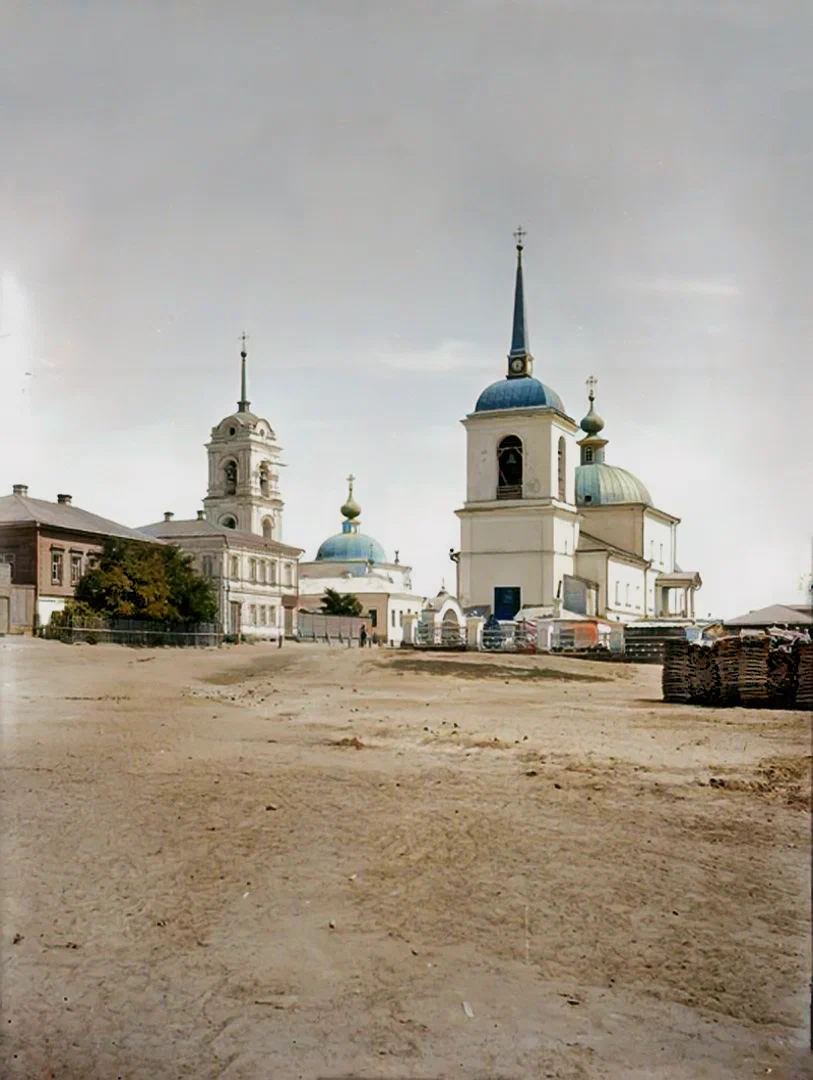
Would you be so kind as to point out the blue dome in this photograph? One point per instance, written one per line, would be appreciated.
(603, 485)
(523, 393)
(350, 546)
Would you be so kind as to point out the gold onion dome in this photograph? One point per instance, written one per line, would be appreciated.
(351, 508)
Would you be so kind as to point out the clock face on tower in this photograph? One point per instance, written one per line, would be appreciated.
(517, 366)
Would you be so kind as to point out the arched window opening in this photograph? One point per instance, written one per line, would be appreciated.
(230, 477)
(588, 455)
(268, 528)
(229, 522)
(509, 468)
(562, 474)
(265, 482)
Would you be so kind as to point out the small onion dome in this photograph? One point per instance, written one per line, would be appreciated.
(351, 509)
(592, 424)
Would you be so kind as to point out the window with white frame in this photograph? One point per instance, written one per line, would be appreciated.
(235, 568)
(76, 566)
(263, 613)
(262, 571)
(288, 574)
(627, 596)
(617, 593)
(57, 566)
(661, 554)
(273, 572)
(253, 614)
(252, 569)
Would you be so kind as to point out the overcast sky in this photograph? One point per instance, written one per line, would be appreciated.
(343, 184)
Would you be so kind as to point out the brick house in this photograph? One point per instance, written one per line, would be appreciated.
(48, 546)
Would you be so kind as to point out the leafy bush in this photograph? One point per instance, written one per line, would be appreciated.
(148, 581)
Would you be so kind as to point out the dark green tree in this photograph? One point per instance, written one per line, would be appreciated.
(147, 581)
(336, 603)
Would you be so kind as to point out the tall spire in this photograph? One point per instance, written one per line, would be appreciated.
(520, 361)
(243, 404)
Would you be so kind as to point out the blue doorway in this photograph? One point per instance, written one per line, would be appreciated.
(507, 601)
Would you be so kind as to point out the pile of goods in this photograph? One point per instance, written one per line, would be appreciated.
(771, 669)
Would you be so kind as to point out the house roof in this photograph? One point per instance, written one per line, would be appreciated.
(181, 529)
(774, 615)
(20, 510)
(593, 543)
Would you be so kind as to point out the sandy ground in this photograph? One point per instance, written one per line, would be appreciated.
(314, 862)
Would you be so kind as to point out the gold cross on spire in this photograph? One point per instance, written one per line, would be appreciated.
(519, 235)
(591, 383)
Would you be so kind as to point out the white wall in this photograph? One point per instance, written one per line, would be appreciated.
(625, 590)
(659, 543)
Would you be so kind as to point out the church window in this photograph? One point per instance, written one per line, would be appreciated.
(268, 528)
(263, 615)
(562, 473)
(627, 596)
(617, 594)
(253, 614)
(661, 554)
(229, 522)
(230, 477)
(265, 485)
(57, 561)
(273, 573)
(393, 616)
(262, 570)
(252, 569)
(235, 567)
(509, 468)
(232, 431)
(206, 563)
(588, 455)
(288, 574)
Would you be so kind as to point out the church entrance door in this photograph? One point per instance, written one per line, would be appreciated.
(507, 601)
(234, 617)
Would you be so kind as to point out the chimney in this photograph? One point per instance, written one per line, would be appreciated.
(20, 489)
(65, 500)
(168, 515)
(201, 516)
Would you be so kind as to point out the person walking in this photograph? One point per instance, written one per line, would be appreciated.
(362, 636)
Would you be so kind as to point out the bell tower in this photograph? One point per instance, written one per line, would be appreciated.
(244, 464)
(519, 525)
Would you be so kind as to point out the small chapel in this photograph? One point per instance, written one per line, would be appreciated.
(352, 563)
(549, 526)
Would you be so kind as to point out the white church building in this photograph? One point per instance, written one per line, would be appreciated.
(548, 526)
(236, 540)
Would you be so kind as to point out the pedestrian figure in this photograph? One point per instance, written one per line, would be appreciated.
(363, 636)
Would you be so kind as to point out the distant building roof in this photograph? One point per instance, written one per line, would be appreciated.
(774, 615)
(20, 509)
(177, 530)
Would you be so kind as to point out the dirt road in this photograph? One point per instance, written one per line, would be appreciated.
(312, 862)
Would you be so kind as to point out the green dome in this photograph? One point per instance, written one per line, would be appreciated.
(600, 484)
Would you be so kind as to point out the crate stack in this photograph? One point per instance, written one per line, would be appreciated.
(675, 675)
(704, 678)
(782, 670)
(804, 676)
(752, 682)
(757, 670)
(727, 652)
